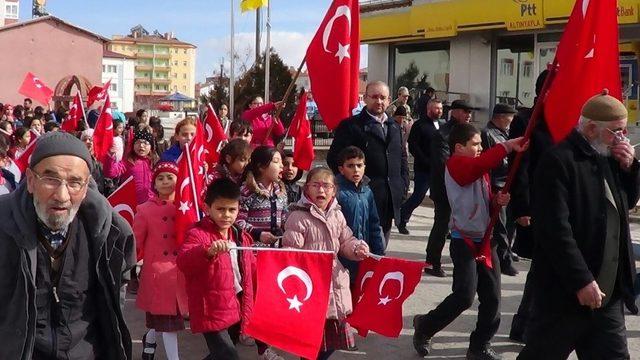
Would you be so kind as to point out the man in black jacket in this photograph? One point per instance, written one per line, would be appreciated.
(380, 138)
(497, 131)
(420, 147)
(584, 264)
(63, 254)
(461, 112)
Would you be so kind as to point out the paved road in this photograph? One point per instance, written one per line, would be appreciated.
(451, 343)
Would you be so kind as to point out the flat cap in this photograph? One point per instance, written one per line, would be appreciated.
(59, 143)
(504, 109)
(604, 107)
(462, 104)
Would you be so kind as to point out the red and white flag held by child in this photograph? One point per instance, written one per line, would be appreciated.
(22, 162)
(215, 136)
(189, 186)
(300, 130)
(588, 61)
(292, 300)
(75, 115)
(333, 61)
(103, 134)
(34, 88)
(98, 94)
(384, 292)
(123, 200)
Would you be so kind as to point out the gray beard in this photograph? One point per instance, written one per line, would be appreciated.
(55, 223)
(602, 148)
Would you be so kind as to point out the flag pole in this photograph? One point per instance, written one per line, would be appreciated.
(267, 56)
(533, 122)
(285, 98)
(84, 115)
(187, 152)
(249, 248)
(232, 76)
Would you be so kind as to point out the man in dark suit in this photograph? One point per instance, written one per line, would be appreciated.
(583, 258)
(461, 112)
(420, 147)
(380, 138)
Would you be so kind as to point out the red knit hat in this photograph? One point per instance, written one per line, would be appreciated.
(165, 166)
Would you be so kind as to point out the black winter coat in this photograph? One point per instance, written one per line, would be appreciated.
(386, 158)
(420, 143)
(439, 155)
(570, 223)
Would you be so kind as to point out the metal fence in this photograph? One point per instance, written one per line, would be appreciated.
(321, 135)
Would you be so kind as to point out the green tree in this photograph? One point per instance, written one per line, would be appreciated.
(407, 78)
(251, 84)
(217, 96)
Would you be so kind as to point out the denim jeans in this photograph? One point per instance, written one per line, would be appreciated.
(420, 188)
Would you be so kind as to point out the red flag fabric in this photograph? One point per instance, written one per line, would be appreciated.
(292, 300)
(70, 124)
(98, 94)
(366, 269)
(103, 134)
(333, 62)
(123, 200)
(22, 162)
(186, 200)
(34, 88)
(588, 60)
(300, 130)
(392, 282)
(215, 136)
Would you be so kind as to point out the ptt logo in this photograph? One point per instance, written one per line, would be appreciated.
(526, 8)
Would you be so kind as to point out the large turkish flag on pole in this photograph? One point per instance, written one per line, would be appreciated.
(292, 300)
(188, 190)
(333, 62)
(300, 130)
(37, 90)
(390, 284)
(215, 136)
(588, 61)
(103, 134)
(70, 124)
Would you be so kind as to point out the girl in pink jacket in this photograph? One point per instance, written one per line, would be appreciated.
(316, 223)
(137, 163)
(162, 294)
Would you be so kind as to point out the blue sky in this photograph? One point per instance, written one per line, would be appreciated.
(204, 23)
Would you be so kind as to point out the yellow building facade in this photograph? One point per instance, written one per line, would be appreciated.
(163, 65)
(487, 51)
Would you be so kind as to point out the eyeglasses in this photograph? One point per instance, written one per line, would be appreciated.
(54, 183)
(620, 135)
(143, 142)
(324, 185)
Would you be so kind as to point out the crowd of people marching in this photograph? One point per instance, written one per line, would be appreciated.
(256, 196)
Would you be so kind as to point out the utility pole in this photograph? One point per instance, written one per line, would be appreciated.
(258, 36)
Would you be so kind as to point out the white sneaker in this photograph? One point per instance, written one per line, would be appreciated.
(270, 355)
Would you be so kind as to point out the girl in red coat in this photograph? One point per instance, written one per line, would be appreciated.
(162, 292)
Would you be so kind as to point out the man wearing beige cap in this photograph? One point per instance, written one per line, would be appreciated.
(583, 258)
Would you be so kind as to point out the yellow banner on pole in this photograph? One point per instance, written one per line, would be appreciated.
(248, 5)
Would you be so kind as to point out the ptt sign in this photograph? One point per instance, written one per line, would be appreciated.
(524, 15)
(527, 9)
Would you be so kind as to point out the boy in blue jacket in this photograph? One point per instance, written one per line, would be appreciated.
(358, 205)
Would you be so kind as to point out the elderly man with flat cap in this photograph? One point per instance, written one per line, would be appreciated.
(584, 263)
(63, 253)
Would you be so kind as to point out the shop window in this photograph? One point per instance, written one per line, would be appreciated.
(506, 67)
(419, 66)
(527, 69)
(515, 77)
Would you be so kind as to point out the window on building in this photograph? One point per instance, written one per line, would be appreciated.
(114, 87)
(175, 63)
(104, 69)
(185, 51)
(515, 78)
(184, 63)
(175, 76)
(175, 87)
(506, 67)
(418, 64)
(114, 105)
(527, 69)
(11, 11)
(184, 76)
(184, 87)
(112, 69)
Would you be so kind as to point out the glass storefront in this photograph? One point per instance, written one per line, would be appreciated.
(515, 70)
(418, 66)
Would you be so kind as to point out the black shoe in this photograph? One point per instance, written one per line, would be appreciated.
(508, 270)
(421, 342)
(150, 349)
(352, 348)
(402, 229)
(483, 354)
(435, 271)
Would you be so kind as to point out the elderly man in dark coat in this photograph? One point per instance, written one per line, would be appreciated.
(63, 253)
(380, 138)
(583, 258)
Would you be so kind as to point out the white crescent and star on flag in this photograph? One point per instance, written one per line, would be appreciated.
(185, 206)
(294, 302)
(343, 50)
(397, 276)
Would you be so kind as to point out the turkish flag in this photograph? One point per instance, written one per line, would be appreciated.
(292, 300)
(384, 291)
(123, 200)
(70, 124)
(333, 62)
(187, 198)
(34, 88)
(300, 130)
(98, 94)
(215, 136)
(22, 162)
(103, 134)
(589, 61)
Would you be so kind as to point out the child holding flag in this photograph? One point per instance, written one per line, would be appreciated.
(162, 291)
(468, 190)
(317, 223)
